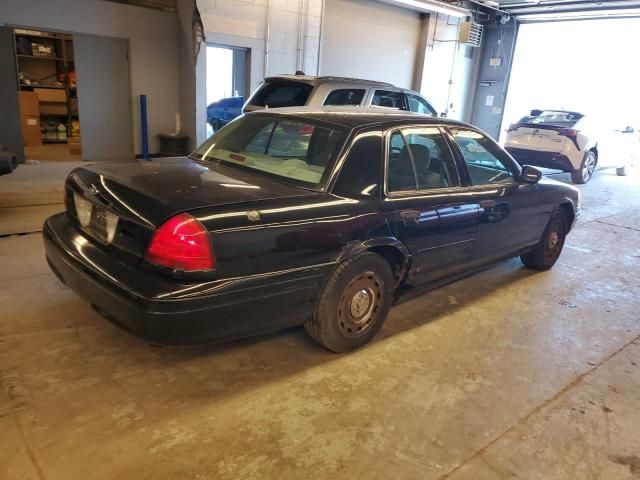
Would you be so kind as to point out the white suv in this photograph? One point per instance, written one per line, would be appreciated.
(567, 141)
(299, 90)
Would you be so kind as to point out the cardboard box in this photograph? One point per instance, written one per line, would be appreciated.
(31, 135)
(29, 104)
(51, 95)
(74, 146)
(53, 108)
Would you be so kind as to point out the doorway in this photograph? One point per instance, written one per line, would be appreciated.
(47, 95)
(227, 84)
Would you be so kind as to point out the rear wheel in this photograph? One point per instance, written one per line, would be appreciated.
(545, 254)
(354, 303)
(585, 172)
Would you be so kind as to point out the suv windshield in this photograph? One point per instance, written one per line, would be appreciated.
(281, 94)
(299, 150)
(552, 118)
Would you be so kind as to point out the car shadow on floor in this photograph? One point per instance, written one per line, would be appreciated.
(249, 363)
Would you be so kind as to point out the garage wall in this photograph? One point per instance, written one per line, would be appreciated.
(293, 32)
(153, 48)
(450, 70)
(370, 40)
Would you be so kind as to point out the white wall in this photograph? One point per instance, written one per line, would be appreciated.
(366, 39)
(294, 32)
(449, 75)
(153, 47)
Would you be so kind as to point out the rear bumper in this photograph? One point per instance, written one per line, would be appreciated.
(161, 310)
(556, 161)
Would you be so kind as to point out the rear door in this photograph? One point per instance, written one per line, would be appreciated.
(427, 209)
(511, 214)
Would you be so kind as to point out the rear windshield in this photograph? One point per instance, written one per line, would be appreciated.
(281, 94)
(553, 118)
(298, 150)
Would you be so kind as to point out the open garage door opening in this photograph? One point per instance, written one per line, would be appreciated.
(570, 77)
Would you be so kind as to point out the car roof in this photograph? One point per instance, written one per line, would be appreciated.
(327, 79)
(357, 117)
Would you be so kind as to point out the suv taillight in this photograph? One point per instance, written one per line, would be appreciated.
(181, 243)
(568, 132)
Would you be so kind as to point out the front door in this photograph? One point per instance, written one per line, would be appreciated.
(426, 207)
(511, 216)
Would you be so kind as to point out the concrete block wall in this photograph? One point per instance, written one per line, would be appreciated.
(284, 35)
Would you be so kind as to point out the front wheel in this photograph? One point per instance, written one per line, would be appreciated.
(585, 172)
(545, 254)
(353, 304)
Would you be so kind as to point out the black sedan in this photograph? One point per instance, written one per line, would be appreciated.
(300, 216)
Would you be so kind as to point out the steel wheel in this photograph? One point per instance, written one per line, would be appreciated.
(554, 240)
(359, 304)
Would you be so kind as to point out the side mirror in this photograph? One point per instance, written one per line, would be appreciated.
(530, 174)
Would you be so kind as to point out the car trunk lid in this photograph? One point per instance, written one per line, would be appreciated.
(142, 195)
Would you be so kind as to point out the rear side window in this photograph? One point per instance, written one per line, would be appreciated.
(345, 96)
(387, 98)
(282, 94)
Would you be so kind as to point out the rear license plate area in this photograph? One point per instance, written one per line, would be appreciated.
(103, 224)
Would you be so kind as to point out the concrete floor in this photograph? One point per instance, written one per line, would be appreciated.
(507, 374)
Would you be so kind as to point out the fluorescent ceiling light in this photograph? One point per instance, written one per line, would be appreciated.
(429, 6)
(584, 15)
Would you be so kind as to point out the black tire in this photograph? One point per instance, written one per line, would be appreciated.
(354, 303)
(545, 254)
(587, 168)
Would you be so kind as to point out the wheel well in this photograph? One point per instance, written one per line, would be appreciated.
(568, 209)
(595, 151)
(396, 259)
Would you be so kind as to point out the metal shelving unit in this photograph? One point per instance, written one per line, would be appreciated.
(64, 64)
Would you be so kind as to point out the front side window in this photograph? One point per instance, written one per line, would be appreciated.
(281, 94)
(298, 150)
(483, 158)
(419, 105)
(345, 96)
(387, 98)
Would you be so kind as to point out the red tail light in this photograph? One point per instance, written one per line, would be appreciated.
(568, 132)
(181, 243)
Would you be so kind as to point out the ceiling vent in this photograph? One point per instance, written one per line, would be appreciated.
(470, 34)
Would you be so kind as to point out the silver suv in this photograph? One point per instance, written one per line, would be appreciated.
(298, 90)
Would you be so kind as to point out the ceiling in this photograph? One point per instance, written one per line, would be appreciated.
(168, 5)
(550, 10)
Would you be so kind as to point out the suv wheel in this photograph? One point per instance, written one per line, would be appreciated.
(585, 172)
